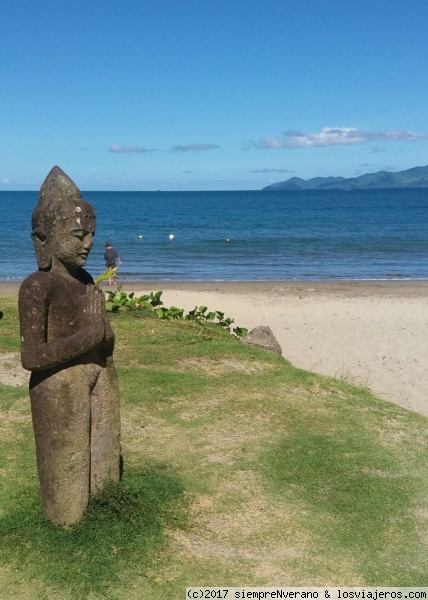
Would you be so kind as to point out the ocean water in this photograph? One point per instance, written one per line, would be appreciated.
(292, 235)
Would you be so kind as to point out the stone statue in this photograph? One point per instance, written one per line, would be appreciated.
(67, 342)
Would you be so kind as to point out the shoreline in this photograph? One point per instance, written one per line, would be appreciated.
(372, 333)
(394, 287)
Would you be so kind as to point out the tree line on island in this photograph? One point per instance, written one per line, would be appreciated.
(414, 178)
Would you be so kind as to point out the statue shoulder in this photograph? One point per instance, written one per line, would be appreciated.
(37, 280)
(36, 290)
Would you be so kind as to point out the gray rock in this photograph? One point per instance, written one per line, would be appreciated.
(263, 338)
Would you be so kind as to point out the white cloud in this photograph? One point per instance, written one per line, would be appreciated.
(6, 181)
(134, 149)
(377, 150)
(335, 136)
(271, 171)
(194, 148)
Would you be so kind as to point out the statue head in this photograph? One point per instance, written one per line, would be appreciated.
(60, 216)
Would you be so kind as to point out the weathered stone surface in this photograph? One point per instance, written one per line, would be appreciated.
(67, 343)
(264, 338)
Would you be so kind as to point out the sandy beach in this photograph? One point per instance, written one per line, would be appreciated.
(372, 333)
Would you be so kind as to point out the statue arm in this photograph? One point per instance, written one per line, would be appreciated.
(37, 351)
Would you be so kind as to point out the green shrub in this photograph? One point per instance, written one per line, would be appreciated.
(120, 300)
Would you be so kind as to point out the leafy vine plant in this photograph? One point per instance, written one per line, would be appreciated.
(119, 300)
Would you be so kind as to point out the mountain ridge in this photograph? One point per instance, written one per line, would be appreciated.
(414, 177)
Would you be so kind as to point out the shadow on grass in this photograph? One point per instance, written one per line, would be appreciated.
(123, 529)
(361, 500)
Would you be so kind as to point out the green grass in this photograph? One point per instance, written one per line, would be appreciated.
(239, 470)
(9, 325)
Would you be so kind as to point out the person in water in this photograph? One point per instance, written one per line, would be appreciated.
(112, 258)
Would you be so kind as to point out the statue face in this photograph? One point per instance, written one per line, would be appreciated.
(72, 239)
(71, 247)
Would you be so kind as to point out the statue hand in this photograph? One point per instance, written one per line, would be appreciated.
(95, 310)
(100, 310)
(96, 301)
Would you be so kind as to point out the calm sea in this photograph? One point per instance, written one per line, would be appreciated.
(303, 235)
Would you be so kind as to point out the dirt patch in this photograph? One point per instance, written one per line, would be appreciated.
(218, 367)
(11, 371)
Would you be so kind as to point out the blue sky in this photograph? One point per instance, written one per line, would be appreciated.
(210, 94)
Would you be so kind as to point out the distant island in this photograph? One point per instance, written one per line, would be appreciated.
(410, 178)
